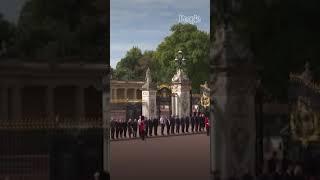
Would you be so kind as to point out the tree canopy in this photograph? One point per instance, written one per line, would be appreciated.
(62, 28)
(133, 65)
(185, 37)
(7, 33)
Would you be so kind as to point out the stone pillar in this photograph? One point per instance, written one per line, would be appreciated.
(173, 105)
(135, 94)
(176, 105)
(4, 103)
(16, 103)
(112, 95)
(181, 86)
(149, 97)
(50, 102)
(106, 122)
(125, 93)
(115, 94)
(232, 114)
(80, 106)
(149, 106)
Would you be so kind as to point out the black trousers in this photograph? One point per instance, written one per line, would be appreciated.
(125, 132)
(130, 132)
(197, 127)
(112, 133)
(177, 129)
(117, 133)
(187, 128)
(142, 135)
(168, 129)
(172, 129)
(155, 130)
(192, 127)
(182, 128)
(162, 128)
(150, 131)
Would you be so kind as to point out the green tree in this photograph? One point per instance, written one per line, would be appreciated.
(7, 34)
(195, 46)
(134, 65)
(62, 28)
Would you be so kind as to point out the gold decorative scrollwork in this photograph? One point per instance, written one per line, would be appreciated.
(205, 101)
(304, 123)
(164, 86)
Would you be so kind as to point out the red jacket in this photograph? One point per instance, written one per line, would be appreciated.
(141, 126)
(206, 121)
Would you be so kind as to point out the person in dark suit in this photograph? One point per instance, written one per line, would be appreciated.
(178, 123)
(135, 127)
(187, 124)
(193, 121)
(197, 122)
(156, 125)
(117, 125)
(202, 122)
(125, 128)
(130, 128)
(104, 175)
(150, 123)
(288, 175)
(146, 126)
(172, 124)
(121, 128)
(272, 162)
(183, 124)
(168, 125)
(113, 128)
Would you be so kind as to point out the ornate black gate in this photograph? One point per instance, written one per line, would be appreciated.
(164, 101)
(304, 98)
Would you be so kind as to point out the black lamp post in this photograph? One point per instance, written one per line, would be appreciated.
(259, 128)
(180, 60)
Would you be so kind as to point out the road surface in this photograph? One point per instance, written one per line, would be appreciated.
(166, 158)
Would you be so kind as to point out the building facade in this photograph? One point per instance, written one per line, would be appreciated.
(126, 99)
(51, 120)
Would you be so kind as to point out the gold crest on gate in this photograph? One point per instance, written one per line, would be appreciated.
(304, 122)
(205, 101)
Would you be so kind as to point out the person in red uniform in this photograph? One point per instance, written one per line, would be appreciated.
(207, 124)
(142, 129)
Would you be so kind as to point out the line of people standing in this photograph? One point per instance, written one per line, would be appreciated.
(131, 128)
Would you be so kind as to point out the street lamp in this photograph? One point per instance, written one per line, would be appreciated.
(180, 60)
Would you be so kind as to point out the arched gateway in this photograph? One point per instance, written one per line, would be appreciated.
(164, 100)
(173, 99)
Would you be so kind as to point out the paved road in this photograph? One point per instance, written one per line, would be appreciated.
(171, 158)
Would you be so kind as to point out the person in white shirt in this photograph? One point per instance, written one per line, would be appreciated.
(167, 122)
(162, 124)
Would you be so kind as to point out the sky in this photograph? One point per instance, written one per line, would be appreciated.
(141, 23)
(11, 8)
(145, 23)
